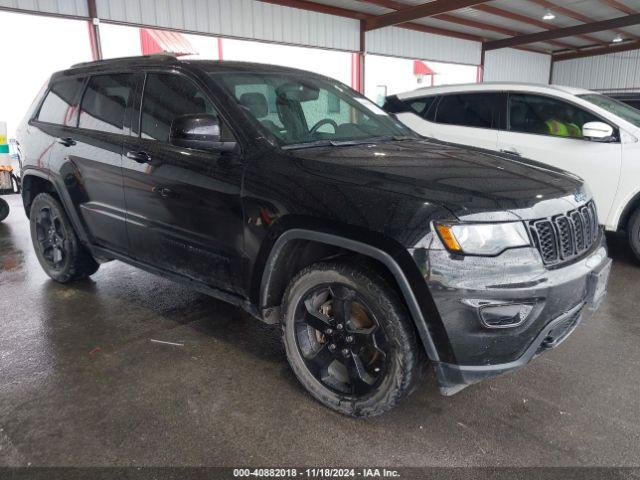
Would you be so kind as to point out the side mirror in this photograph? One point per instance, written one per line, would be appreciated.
(200, 131)
(598, 131)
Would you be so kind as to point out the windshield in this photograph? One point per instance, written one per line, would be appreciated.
(300, 110)
(622, 110)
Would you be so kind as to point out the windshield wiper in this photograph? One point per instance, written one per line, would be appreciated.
(330, 143)
(296, 146)
(396, 138)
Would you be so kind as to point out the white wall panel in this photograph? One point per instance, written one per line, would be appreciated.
(511, 65)
(252, 19)
(615, 70)
(57, 7)
(400, 42)
(238, 18)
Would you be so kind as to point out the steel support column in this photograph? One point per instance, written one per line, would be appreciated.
(220, 55)
(480, 72)
(94, 30)
(361, 57)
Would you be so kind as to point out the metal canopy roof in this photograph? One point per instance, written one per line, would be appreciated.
(580, 27)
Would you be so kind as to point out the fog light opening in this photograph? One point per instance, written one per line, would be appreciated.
(505, 316)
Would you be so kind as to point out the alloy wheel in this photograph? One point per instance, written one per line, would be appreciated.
(340, 340)
(51, 236)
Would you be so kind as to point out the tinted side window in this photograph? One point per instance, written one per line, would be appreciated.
(60, 104)
(469, 110)
(547, 116)
(105, 101)
(167, 96)
(420, 106)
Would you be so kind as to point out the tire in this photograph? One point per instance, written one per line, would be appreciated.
(56, 244)
(633, 233)
(364, 367)
(4, 209)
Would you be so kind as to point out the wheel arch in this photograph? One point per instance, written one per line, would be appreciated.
(35, 182)
(274, 278)
(628, 210)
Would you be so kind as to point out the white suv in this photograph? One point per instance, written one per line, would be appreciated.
(584, 132)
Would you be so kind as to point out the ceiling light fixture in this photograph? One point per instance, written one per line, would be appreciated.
(548, 15)
(617, 39)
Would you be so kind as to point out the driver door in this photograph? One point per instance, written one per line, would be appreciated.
(184, 211)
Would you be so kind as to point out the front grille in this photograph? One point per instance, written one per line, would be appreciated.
(564, 237)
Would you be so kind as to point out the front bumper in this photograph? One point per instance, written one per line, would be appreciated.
(556, 300)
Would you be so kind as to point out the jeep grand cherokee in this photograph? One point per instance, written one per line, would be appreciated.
(299, 200)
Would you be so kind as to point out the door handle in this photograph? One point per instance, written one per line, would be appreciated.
(66, 141)
(140, 157)
(511, 151)
(164, 192)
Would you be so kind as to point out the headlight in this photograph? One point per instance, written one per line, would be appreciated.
(483, 238)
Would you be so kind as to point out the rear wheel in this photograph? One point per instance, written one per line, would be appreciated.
(57, 246)
(633, 233)
(349, 339)
(4, 209)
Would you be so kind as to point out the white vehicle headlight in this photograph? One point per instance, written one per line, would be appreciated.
(483, 238)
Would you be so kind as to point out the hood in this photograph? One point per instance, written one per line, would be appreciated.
(471, 183)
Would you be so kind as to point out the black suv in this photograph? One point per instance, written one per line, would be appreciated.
(297, 199)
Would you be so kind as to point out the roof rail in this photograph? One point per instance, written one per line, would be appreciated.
(170, 57)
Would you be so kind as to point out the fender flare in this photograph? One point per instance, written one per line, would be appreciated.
(32, 172)
(367, 250)
(65, 201)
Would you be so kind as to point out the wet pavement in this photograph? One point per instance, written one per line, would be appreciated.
(81, 383)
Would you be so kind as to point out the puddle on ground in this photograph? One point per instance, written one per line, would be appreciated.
(11, 258)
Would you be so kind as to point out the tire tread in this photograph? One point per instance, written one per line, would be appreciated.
(82, 263)
(410, 356)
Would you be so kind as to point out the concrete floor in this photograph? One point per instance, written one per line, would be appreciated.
(82, 384)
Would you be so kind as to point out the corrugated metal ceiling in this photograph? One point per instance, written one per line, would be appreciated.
(595, 10)
(264, 20)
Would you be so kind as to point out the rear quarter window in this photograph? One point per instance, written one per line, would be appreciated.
(421, 106)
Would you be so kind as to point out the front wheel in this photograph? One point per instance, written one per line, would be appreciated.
(4, 209)
(633, 233)
(349, 339)
(57, 246)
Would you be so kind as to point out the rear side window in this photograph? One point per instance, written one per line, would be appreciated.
(105, 102)
(478, 110)
(166, 97)
(546, 116)
(419, 105)
(60, 104)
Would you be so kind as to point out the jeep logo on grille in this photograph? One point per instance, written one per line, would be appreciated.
(580, 196)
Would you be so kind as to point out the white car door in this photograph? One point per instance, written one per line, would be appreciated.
(467, 119)
(540, 128)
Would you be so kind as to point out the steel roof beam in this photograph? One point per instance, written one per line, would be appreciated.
(354, 14)
(528, 20)
(564, 32)
(592, 52)
(446, 17)
(620, 6)
(577, 16)
(417, 11)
